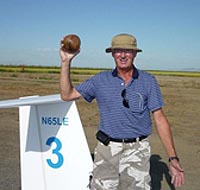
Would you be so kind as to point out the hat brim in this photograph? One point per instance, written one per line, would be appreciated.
(110, 49)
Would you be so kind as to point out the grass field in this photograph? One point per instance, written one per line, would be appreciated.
(180, 93)
(86, 71)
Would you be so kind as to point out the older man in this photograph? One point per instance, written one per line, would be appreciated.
(126, 97)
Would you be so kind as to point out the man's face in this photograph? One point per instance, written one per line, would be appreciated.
(124, 57)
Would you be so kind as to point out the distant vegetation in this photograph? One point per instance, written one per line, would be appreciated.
(85, 71)
(41, 69)
(176, 73)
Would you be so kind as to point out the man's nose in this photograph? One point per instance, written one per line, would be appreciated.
(123, 53)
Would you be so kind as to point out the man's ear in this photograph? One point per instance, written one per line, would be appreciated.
(135, 54)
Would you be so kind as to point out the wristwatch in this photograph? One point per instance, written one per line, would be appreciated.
(173, 158)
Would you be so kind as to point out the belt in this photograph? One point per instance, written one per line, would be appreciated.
(128, 140)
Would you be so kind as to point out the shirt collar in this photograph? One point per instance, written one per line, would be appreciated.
(135, 73)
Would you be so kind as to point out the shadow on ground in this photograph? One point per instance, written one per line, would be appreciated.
(159, 171)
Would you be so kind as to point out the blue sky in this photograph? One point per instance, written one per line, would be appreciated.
(168, 32)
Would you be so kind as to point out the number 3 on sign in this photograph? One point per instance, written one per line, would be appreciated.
(55, 151)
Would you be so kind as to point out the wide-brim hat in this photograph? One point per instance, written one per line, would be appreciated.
(123, 41)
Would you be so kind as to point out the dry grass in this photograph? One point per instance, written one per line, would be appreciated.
(181, 95)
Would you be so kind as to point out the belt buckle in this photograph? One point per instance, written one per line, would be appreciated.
(125, 140)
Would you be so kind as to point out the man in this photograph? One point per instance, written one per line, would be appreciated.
(125, 96)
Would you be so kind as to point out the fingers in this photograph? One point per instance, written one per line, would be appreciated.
(65, 55)
(62, 46)
(178, 180)
(177, 171)
(61, 42)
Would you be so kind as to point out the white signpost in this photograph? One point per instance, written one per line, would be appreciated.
(53, 148)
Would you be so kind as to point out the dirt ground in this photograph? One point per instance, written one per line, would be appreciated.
(182, 99)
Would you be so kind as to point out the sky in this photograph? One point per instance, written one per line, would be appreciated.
(168, 32)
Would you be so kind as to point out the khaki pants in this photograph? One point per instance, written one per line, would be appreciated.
(122, 164)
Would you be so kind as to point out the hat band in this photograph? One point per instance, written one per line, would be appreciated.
(123, 47)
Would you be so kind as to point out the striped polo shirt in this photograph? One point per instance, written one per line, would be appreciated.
(116, 120)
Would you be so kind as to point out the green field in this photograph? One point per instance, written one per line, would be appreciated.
(41, 69)
(87, 71)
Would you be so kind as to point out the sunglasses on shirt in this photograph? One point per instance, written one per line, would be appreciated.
(125, 100)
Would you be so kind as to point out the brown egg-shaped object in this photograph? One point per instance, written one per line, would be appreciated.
(71, 43)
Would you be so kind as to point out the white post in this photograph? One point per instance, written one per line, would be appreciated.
(53, 149)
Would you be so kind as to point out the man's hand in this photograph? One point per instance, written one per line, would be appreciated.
(67, 90)
(177, 173)
(65, 56)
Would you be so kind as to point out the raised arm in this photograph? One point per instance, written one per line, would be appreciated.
(67, 90)
(166, 137)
